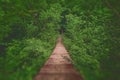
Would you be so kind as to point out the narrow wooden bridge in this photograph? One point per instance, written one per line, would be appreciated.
(58, 66)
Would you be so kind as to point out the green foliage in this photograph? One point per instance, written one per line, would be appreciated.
(24, 40)
(87, 40)
(31, 30)
(4, 31)
(28, 30)
(24, 58)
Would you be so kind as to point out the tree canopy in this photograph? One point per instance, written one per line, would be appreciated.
(29, 28)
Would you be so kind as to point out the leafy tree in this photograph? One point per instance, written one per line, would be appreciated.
(28, 30)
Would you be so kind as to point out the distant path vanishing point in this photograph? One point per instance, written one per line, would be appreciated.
(58, 66)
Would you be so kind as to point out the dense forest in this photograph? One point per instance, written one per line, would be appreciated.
(29, 29)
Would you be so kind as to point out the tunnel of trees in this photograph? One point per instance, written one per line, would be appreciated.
(29, 29)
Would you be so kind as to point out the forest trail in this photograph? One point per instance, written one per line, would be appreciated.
(58, 66)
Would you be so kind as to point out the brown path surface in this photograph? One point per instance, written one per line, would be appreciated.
(58, 66)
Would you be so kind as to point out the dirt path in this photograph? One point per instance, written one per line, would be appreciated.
(58, 66)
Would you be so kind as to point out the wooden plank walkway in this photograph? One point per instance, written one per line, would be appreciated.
(58, 66)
